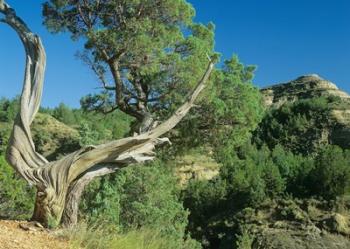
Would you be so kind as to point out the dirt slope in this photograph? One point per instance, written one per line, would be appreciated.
(12, 236)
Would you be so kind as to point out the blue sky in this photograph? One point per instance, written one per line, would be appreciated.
(284, 38)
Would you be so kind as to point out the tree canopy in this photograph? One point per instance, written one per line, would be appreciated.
(146, 54)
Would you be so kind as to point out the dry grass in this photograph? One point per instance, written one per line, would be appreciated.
(84, 237)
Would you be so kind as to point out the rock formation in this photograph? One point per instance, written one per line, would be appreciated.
(304, 87)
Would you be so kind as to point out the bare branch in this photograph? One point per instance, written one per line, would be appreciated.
(99, 72)
(136, 147)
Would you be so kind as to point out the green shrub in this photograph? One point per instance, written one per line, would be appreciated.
(294, 170)
(16, 197)
(136, 197)
(298, 126)
(244, 240)
(331, 176)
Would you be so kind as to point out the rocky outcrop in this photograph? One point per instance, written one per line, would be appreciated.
(195, 166)
(313, 86)
(304, 87)
(298, 224)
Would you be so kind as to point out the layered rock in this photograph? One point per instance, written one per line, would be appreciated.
(304, 87)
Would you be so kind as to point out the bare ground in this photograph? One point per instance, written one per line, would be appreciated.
(23, 235)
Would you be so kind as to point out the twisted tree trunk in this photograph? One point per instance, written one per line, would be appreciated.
(60, 183)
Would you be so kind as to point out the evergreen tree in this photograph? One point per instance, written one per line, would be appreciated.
(146, 54)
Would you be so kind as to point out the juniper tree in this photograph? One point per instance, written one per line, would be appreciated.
(60, 183)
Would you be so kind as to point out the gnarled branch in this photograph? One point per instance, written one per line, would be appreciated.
(21, 152)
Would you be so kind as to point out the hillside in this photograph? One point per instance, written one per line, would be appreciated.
(310, 87)
(303, 115)
(303, 87)
(52, 137)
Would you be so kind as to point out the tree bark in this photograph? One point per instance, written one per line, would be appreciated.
(70, 214)
(60, 183)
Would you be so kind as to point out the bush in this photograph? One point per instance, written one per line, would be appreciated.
(294, 170)
(138, 197)
(16, 197)
(204, 199)
(298, 126)
(331, 175)
(244, 240)
(5, 131)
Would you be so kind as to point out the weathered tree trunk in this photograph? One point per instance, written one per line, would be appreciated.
(70, 214)
(60, 183)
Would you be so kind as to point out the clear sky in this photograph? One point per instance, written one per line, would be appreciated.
(284, 38)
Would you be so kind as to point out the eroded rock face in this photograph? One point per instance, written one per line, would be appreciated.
(304, 87)
(313, 86)
(298, 224)
(196, 166)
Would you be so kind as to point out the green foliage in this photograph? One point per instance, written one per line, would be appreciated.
(87, 135)
(228, 112)
(138, 197)
(294, 169)
(237, 104)
(254, 175)
(204, 200)
(16, 197)
(151, 50)
(251, 176)
(64, 114)
(105, 127)
(5, 130)
(8, 109)
(101, 202)
(245, 240)
(330, 177)
(298, 127)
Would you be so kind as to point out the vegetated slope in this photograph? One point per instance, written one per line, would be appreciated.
(195, 166)
(53, 138)
(311, 87)
(303, 115)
